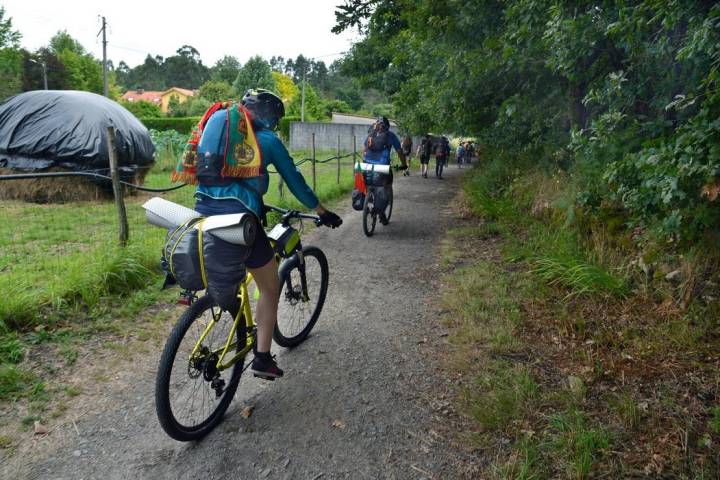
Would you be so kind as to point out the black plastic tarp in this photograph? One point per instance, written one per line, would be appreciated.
(68, 129)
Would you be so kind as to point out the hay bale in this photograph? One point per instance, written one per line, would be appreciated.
(61, 189)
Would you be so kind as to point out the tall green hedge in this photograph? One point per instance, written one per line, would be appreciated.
(181, 124)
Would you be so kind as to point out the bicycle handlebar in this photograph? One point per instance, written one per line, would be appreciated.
(290, 214)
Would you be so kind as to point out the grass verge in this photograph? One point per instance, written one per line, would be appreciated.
(578, 366)
(63, 276)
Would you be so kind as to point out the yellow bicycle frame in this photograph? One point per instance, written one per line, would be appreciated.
(244, 311)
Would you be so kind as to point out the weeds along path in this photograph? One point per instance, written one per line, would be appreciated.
(359, 400)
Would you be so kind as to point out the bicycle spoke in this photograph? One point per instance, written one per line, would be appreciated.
(192, 397)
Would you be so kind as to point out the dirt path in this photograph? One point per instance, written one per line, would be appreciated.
(358, 400)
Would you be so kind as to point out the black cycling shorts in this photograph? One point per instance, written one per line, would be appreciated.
(261, 251)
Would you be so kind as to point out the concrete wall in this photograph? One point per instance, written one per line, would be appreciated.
(355, 119)
(326, 136)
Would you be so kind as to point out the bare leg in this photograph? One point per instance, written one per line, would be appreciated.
(267, 280)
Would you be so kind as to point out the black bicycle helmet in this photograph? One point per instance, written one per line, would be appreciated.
(266, 107)
(384, 122)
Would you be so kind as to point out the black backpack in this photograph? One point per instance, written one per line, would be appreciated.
(379, 139)
(425, 148)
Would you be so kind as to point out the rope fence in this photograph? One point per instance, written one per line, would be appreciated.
(318, 167)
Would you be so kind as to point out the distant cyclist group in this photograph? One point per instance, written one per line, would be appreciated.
(439, 147)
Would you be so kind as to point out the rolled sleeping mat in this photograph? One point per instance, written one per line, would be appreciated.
(235, 228)
(166, 214)
(371, 167)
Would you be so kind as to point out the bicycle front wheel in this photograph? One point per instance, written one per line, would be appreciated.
(303, 286)
(369, 215)
(191, 394)
(388, 209)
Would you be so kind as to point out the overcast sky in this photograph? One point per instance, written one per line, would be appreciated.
(136, 28)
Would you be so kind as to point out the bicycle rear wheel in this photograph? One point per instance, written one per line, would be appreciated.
(191, 395)
(298, 313)
(369, 215)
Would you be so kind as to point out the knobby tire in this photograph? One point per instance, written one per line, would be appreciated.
(296, 317)
(168, 418)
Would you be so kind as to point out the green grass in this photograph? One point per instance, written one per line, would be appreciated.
(63, 257)
(501, 395)
(16, 382)
(502, 196)
(580, 277)
(543, 328)
(11, 349)
(579, 443)
(525, 463)
(715, 420)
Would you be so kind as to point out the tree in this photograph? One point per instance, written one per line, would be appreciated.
(277, 63)
(10, 57)
(32, 78)
(318, 74)
(143, 109)
(256, 73)
(122, 74)
(9, 38)
(216, 91)
(286, 88)
(185, 69)
(62, 41)
(330, 106)
(351, 96)
(149, 75)
(628, 88)
(301, 66)
(314, 105)
(197, 106)
(225, 70)
(81, 70)
(177, 109)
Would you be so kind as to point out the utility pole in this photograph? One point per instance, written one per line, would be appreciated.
(104, 42)
(44, 67)
(302, 102)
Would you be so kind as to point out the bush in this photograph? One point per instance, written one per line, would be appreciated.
(142, 108)
(169, 145)
(663, 184)
(183, 125)
(284, 126)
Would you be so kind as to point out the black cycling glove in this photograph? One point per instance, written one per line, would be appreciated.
(330, 219)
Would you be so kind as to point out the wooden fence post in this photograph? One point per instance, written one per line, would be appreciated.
(313, 160)
(280, 186)
(338, 160)
(117, 188)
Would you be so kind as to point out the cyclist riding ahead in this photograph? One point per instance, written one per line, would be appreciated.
(377, 150)
(238, 188)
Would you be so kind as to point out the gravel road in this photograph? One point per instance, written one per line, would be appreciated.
(361, 398)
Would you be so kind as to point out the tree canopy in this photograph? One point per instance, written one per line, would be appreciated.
(256, 73)
(610, 87)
